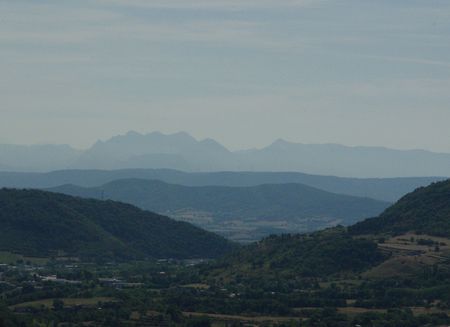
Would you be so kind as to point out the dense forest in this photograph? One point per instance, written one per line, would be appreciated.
(425, 211)
(41, 223)
(326, 253)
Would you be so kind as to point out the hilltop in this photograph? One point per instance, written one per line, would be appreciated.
(38, 223)
(424, 211)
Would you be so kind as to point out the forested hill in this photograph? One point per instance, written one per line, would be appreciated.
(39, 223)
(340, 250)
(426, 210)
(321, 254)
(290, 203)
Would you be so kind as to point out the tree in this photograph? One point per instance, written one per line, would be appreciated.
(58, 304)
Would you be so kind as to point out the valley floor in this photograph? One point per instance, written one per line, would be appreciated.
(411, 286)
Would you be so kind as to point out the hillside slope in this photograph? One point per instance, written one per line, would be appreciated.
(43, 223)
(275, 208)
(426, 210)
(355, 270)
(319, 254)
(358, 248)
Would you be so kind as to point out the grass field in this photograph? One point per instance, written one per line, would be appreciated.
(408, 257)
(426, 311)
(197, 286)
(68, 302)
(13, 258)
(408, 243)
(255, 319)
(356, 311)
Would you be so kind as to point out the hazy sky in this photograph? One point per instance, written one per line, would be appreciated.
(245, 72)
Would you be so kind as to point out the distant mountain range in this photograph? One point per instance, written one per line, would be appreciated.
(240, 213)
(37, 223)
(183, 152)
(388, 190)
(156, 150)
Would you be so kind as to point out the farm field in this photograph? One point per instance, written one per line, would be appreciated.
(68, 302)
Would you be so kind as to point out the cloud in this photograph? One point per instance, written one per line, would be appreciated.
(62, 25)
(211, 4)
(409, 60)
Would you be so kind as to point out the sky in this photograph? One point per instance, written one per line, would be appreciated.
(244, 72)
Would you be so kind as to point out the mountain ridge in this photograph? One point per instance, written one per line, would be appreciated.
(184, 152)
(389, 190)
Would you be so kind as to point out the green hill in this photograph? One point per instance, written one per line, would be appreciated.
(356, 274)
(260, 210)
(321, 254)
(41, 223)
(343, 250)
(425, 211)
